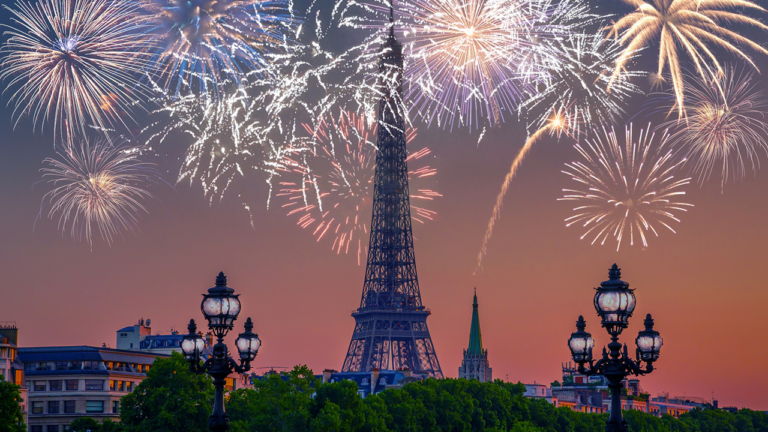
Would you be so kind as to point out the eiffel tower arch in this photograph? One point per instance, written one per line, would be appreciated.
(391, 330)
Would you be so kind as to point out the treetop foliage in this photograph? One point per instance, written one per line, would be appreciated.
(172, 399)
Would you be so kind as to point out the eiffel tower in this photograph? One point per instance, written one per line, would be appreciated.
(391, 330)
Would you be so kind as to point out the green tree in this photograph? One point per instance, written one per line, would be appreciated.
(11, 417)
(341, 397)
(170, 399)
(278, 402)
(84, 424)
(109, 426)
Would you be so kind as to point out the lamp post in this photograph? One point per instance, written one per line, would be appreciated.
(220, 307)
(614, 302)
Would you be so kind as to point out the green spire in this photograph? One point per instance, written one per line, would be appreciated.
(475, 337)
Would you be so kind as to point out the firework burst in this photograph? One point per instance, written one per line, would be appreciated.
(470, 62)
(74, 62)
(230, 139)
(686, 27)
(333, 191)
(211, 41)
(725, 125)
(626, 189)
(97, 188)
(578, 82)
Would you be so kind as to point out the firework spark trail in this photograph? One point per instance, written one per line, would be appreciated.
(725, 124)
(691, 26)
(335, 188)
(472, 61)
(96, 188)
(576, 92)
(557, 126)
(211, 42)
(75, 62)
(626, 188)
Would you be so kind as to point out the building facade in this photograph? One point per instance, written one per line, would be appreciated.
(11, 367)
(139, 337)
(475, 364)
(65, 383)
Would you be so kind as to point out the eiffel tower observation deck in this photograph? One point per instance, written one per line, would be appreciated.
(391, 330)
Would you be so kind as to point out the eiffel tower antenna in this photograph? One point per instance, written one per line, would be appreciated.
(391, 330)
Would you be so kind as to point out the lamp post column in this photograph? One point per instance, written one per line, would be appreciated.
(219, 420)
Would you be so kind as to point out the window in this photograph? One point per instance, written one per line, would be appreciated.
(72, 385)
(69, 407)
(53, 407)
(129, 386)
(75, 365)
(91, 365)
(115, 407)
(112, 386)
(54, 385)
(123, 334)
(39, 385)
(94, 406)
(30, 366)
(94, 384)
(52, 428)
(121, 386)
(29, 385)
(36, 429)
(37, 407)
(61, 365)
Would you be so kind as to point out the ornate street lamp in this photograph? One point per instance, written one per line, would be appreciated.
(220, 307)
(615, 302)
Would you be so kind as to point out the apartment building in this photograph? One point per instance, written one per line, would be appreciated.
(65, 383)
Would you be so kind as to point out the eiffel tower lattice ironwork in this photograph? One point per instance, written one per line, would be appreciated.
(391, 330)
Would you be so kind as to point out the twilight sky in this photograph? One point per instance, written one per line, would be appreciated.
(703, 285)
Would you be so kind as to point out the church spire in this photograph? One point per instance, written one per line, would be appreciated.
(475, 336)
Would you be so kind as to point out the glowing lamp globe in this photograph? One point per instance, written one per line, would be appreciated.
(648, 342)
(220, 306)
(581, 343)
(614, 302)
(248, 342)
(192, 344)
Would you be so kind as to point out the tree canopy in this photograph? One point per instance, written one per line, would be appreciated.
(11, 417)
(172, 399)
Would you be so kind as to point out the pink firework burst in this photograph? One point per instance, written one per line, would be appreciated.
(332, 192)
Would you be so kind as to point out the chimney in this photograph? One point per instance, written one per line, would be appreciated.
(327, 375)
(374, 379)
